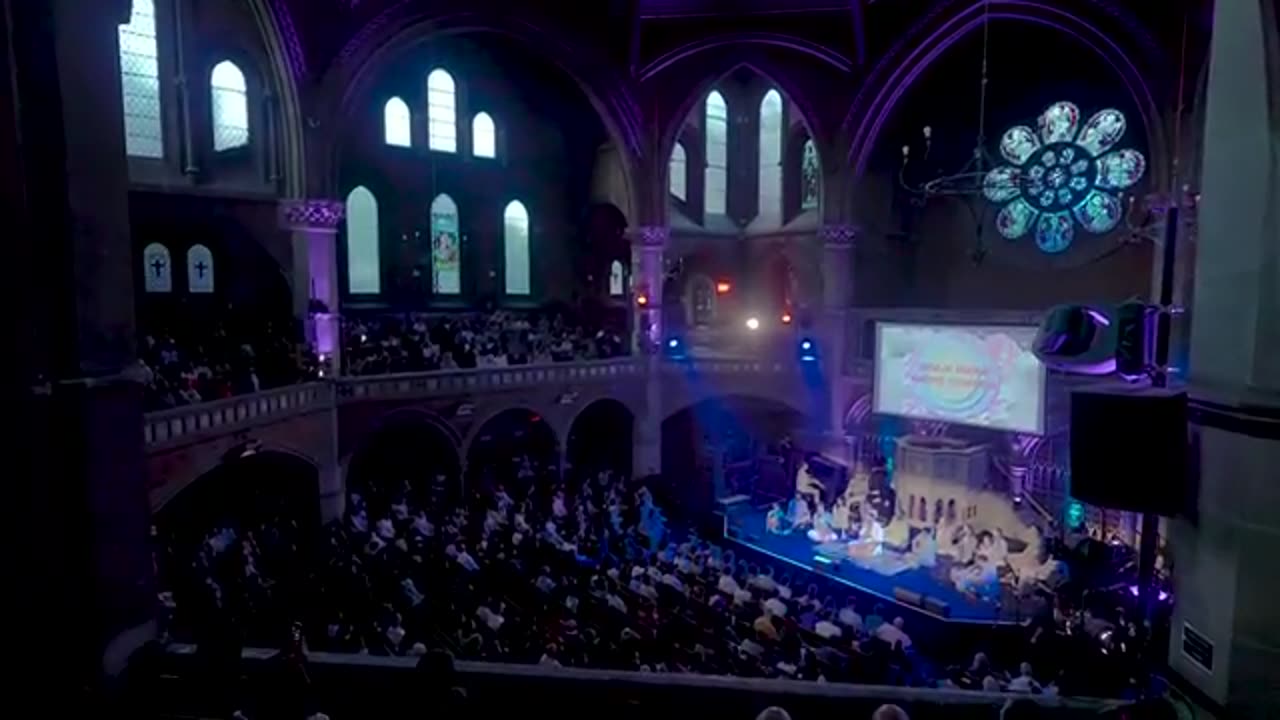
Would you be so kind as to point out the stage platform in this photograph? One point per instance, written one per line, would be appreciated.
(745, 526)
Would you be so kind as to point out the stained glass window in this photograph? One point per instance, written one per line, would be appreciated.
(677, 170)
(716, 175)
(446, 247)
(157, 270)
(230, 96)
(617, 281)
(1061, 175)
(442, 112)
(140, 82)
(810, 176)
(199, 269)
(397, 123)
(484, 136)
(515, 243)
(364, 274)
(769, 192)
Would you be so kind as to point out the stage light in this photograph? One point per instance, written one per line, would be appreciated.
(723, 287)
(673, 343)
(808, 350)
(753, 323)
(786, 318)
(642, 299)
(673, 348)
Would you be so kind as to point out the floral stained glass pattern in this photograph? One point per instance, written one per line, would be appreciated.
(1063, 174)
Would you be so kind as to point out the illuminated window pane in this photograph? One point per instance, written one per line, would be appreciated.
(157, 269)
(442, 112)
(446, 247)
(230, 97)
(678, 171)
(140, 82)
(484, 136)
(770, 170)
(810, 176)
(397, 123)
(515, 241)
(716, 129)
(617, 281)
(364, 273)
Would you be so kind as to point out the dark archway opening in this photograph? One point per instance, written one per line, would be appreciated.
(714, 449)
(516, 448)
(600, 440)
(411, 458)
(235, 548)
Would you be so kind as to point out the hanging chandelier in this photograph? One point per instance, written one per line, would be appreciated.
(1055, 178)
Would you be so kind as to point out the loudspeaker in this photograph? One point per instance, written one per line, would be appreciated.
(908, 597)
(937, 607)
(1129, 449)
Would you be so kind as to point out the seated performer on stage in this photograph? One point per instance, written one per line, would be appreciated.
(775, 521)
(822, 531)
(924, 548)
(840, 516)
(872, 533)
(799, 512)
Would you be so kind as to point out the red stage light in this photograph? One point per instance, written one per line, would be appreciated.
(786, 318)
(723, 287)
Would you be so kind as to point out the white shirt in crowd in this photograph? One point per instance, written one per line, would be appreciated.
(764, 582)
(892, 633)
(827, 629)
(775, 607)
(727, 585)
(851, 618)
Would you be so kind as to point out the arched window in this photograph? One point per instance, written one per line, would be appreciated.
(140, 82)
(679, 172)
(199, 269)
(717, 136)
(810, 176)
(230, 97)
(364, 273)
(157, 270)
(397, 123)
(770, 170)
(617, 281)
(442, 112)
(484, 136)
(446, 247)
(515, 243)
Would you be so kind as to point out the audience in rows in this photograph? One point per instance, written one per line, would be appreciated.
(419, 342)
(189, 363)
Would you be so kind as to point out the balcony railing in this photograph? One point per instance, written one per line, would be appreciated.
(449, 382)
(180, 424)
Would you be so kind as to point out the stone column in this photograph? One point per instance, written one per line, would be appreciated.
(832, 324)
(313, 227)
(1225, 567)
(648, 270)
(76, 471)
(648, 274)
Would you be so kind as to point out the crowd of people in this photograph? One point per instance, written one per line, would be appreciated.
(419, 342)
(529, 568)
(194, 362)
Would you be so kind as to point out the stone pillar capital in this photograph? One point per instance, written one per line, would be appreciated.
(311, 215)
(650, 236)
(839, 236)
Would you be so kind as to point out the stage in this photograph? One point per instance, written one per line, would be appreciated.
(745, 526)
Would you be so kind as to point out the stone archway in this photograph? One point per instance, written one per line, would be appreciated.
(601, 437)
(412, 455)
(510, 446)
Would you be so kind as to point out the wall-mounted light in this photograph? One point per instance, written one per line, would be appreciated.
(753, 323)
(723, 287)
(786, 318)
(642, 299)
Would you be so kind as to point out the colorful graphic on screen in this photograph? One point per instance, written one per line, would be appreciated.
(446, 250)
(978, 375)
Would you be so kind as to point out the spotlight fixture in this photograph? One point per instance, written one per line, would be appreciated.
(753, 323)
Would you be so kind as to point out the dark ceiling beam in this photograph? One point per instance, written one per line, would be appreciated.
(859, 32)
